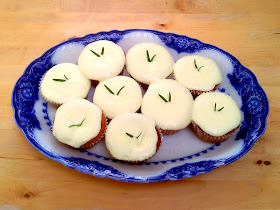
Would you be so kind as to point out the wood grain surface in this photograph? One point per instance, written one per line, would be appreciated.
(249, 30)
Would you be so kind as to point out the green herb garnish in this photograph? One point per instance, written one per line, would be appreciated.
(221, 109)
(120, 90)
(102, 52)
(163, 98)
(66, 77)
(59, 80)
(129, 135)
(218, 109)
(95, 53)
(196, 65)
(109, 89)
(169, 97)
(138, 135)
(78, 125)
(148, 56)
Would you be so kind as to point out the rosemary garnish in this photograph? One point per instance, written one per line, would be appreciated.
(109, 89)
(218, 109)
(148, 56)
(59, 80)
(131, 136)
(95, 53)
(169, 97)
(163, 98)
(138, 135)
(78, 125)
(196, 65)
(120, 90)
(221, 109)
(102, 52)
(112, 91)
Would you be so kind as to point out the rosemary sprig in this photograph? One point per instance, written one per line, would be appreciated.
(163, 98)
(59, 80)
(215, 109)
(221, 109)
(78, 125)
(148, 56)
(120, 90)
(109, 89)
(138, 135)
(169, 97)
(131, 136)
(95, 53)
(196, 65)
(102, 52)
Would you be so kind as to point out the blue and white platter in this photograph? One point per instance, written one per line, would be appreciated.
(180, 155)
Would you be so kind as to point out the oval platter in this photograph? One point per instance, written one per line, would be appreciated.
(181, 155)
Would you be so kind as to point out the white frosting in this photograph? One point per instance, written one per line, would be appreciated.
(203, 79)
(173, 115)
(216, 123)
(72, 113)
(129, 98)
(123, 147)
(109, 64)
(147, 72)
(75, 86)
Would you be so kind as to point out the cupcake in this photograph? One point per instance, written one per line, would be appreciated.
(169, 103)
(101, 60)
(148, 62)
(199, 74)
(215, 117)
(79, 124)
(132, 137)
(117, 95)
(64, 82)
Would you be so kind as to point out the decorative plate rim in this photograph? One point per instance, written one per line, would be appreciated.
(175, 173)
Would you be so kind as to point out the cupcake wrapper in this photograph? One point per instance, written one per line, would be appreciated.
(208, 138)
(168, 132)
(196, 93)
(94, 141)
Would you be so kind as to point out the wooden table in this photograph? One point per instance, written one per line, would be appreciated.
(249, 30)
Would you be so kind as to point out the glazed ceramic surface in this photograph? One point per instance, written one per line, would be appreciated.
(180, 155)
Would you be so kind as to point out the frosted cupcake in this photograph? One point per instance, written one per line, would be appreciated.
(101, 60)
(148, 62)
(117, 95)
(132, 137)
(64, 82)
(169, 103)
(215, 117)
(79, 124)
(199, 74)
